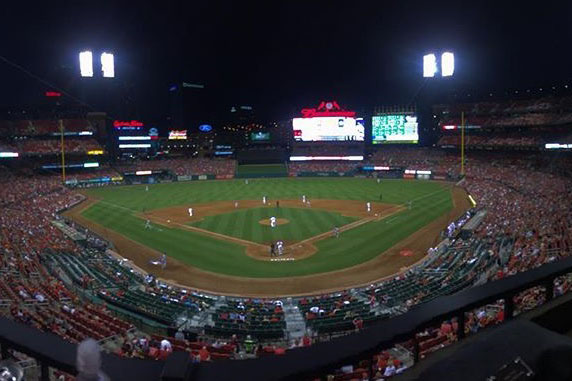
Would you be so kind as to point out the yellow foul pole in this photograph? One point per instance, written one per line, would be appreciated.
(62, 151)
(462, 143)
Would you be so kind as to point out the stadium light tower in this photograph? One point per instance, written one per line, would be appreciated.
(107, 65)
(86, 63)
(447, 64)
(430, 65)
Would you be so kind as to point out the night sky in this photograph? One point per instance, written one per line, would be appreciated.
(282, 56)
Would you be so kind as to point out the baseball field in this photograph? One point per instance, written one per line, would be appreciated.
(225, 245)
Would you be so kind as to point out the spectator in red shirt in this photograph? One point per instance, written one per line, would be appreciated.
(204, 354)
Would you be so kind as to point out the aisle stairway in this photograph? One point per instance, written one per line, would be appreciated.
(295, 323)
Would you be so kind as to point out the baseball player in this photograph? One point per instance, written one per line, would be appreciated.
(147, 224)
(336, 232)
(303, 198)
(368, 206)
(272, 222)
(264, 200)
(190, 212)
(235, 204)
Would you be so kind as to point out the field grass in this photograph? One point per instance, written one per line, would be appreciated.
(304, 223)
(119, 204)
(257, 169)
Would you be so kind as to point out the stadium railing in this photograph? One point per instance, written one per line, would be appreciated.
(302, 363)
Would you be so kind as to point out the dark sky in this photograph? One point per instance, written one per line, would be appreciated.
(280, 56)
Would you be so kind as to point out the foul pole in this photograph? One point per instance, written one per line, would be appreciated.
(462, 144)
(62, 151)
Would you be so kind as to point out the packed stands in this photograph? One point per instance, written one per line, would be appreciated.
(40, 127)
(53, 146)
(44, 272)
(182, 166)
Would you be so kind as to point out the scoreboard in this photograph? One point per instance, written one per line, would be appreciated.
(394, 128)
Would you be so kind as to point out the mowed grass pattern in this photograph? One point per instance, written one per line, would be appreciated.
(303, 223)
(119, 204)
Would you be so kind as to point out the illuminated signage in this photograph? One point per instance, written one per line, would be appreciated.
(141, 173)
(127, 123)
(324, 158)
(134, 138)
(95, 152)
(9, 154)
(178, 135)
(90, 165)
(53, 94)
(135, 146)
(327, 109)
(557, 146)
(205, 128)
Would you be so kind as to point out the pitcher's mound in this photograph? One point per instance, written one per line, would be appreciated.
(279, 221)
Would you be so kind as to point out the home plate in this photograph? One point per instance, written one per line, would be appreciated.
(406, 253)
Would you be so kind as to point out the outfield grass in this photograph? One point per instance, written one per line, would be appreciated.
(261, 169)
(303, 223)
(119, 204)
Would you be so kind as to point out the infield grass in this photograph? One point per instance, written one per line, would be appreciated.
(118, 206)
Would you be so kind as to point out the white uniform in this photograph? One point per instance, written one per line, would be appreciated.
(272, 222)
(190, 212)
(147, 224)
(236, 204)
(280, 247)
(264, 200)
(368, 206)
(146, 188)
(304, 198)
(378, 180)
(246, 181)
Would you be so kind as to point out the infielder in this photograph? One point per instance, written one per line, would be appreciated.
(264, 200)
(190, 212)
(368, 206)
(147, 224)
(303, 198)
(336, 232)
(235, 204)
(272, 222)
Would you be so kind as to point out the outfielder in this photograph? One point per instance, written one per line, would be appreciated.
(336, 232)
(147, 224)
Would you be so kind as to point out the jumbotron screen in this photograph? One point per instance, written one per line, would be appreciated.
(394, 128)
(328, 129)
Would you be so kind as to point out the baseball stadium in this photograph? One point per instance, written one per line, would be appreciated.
(182, 236)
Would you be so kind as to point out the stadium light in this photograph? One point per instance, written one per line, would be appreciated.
(429, 65)
(447, 64)
(107, 65)
(86, 64)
